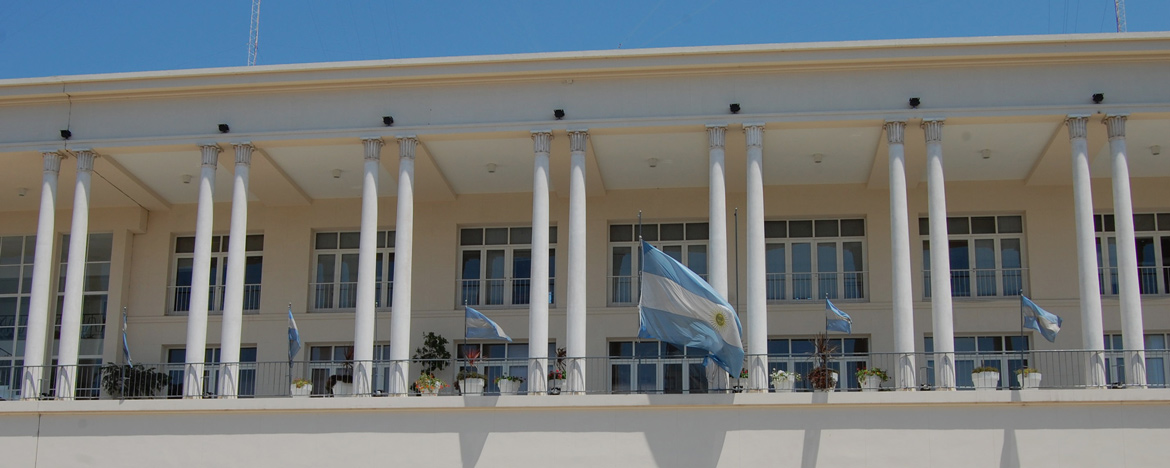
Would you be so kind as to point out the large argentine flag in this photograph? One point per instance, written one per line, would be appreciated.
(1043, 321)
(479, 326)
(678, 307)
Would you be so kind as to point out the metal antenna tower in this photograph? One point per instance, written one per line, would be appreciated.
(254, 33)
(1118, 8)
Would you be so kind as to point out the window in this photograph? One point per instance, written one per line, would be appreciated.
(1006, 353)
(16, 266)
(1157, 359)
(796, 355)
(496, 359)
(496, 266)
(815, 259)
(656, 367)
(184, 263)
(327, 361)
(986, 255)
(95, 290)
(177, 358)
(1152, 236)
(685, 242)
(336, 270)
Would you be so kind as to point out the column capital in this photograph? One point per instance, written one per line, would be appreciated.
(85, 159)
(1077, 126)
(754, 133)
(541, 140)
(933, 128)
(210, 155)
(577, 139)
(373, 148)
(1115, 123)
(716, 136)
(52, 161)
(244, 153)
(406, 146)
(895, 131)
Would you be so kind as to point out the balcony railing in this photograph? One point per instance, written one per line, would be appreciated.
(1151, 280)
(623, 290)
(816, 286)
(500, 292)
(982, 282)
(180, 299)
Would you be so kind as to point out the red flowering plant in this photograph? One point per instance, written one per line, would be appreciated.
(743, 374)
(470, 372)
(556, 374)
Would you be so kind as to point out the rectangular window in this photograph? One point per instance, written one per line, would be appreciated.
(656, 367)
(16, 266)
(1157, 359)
(795, 355)
(335, 271)
(815, 259)
(1152, 242)
(495, 266)
(986, 254)
(496, 359)
(330, 364)
(183, 261)
(95, 291)
(685, 242)
(177, 357)
(1008, 353)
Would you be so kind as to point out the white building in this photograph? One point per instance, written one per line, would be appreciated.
(377, 198)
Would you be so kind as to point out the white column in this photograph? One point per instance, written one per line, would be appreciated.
(757, 294)
(74, 279)
(1091, 331)
(940, 261)
(904, 373)
(200, 275)
(538, 301)
(575, 321)
(717, 379)
(363, 323)
(403, 261)
(38, 313)
(1132, 331)
(233, 304)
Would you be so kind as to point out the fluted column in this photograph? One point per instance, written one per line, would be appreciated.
(757, 293)
(717, 379)
(363, 323)
(1132, 330)
(1094, 340)
(538, 301)
(575, 320)
(200, 275)
(74, 280)
(38, 310)
(233, 304)
(403, 269)
(904, 373)
(940, 260)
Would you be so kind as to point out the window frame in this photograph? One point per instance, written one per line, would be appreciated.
(1153, 280)
(844, 285)
(508, 290)
(690, 371)
(623, 290)
(12, 363)
(337, 291)
(974, 277)
(179, 301)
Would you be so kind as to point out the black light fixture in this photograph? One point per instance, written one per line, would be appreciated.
(387, 120)
(224, 128)
(1098, 98)
(735, 108)
(65, 134)
(915, 102)
(559, 114)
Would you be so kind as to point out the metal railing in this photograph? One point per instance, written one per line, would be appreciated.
(180, 299)
(1151, 280)
(500, 291)
(982, 282)
(815, 286)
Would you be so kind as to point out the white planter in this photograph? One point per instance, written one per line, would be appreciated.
(342, 389)
(302, 392)
(739, 384)
(985, 380)
(871, 383)
(833, 378)
(508, 387)
(783, 385)
(429, 391)
(556, 385)
(1031, 381)
(471, 386)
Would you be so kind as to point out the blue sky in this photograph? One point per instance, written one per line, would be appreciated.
(70, 37)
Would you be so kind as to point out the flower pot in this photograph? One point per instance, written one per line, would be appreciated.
(739, 384)
(555, 386)
(301, 392)
(985, 380)
(471, 386)
(870, 383)
(429, 391)
(832, 377)
(342, 389)
(508, 387)
(1029, 381)
(783, 385)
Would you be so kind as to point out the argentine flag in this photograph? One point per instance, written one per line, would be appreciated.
(479, 326)
(836, 319)
(1043, 321)
(678, 307)
(294, 337)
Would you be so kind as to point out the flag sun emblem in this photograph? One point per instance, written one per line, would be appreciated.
(720, 320)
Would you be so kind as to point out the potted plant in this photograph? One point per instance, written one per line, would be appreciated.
(871, 379)
(783, 381)
(428, 385)
(509, 384)
(301, 388)
(470, 380)
(556, 377)
(823, 378)
(433, 354)
(741, 383)
(985, 378)
(133, 381)
(1028, 378)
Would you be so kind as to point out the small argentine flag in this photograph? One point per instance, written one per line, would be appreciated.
(1043, 321)
(678, 307)
(479, 326)
(294, 336)
(836, 319)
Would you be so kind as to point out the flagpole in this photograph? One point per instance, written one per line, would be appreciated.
(639, 256)
(290, 355)
(1021, 334)
(735, 215)
(125, 358)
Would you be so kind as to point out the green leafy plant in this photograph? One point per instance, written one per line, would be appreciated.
(1027, 370)
(433, 354)
(823, 377)
(779, 374)
(874, 372)
(510, 378)
(134, 381)
(300, 383)
(427, 382)
(743, 374)
(984, 369)
(469, 374)
(556, 374)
